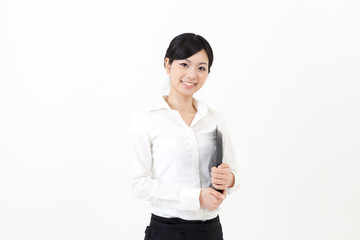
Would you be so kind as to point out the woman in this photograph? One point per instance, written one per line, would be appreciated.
(174, 151)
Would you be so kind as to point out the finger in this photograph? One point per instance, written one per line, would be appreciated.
(219, 187)
(217, 175)
(221, 168)
(217, 170)
(223, 165)
(217, 181)
(217, 194)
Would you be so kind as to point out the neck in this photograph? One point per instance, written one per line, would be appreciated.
(180, 102)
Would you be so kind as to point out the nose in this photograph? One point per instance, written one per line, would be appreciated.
(190, 73)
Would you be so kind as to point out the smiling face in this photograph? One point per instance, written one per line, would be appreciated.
(188, 75)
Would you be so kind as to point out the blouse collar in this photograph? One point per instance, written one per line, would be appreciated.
(200, 106)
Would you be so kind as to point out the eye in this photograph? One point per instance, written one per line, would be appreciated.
(202, 69)
(183, 64)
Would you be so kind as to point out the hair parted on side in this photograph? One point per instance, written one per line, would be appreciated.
(187, 44)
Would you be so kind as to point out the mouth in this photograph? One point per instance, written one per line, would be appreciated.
(189, 84)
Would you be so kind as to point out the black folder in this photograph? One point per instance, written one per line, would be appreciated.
(219, 147)
(219, 150)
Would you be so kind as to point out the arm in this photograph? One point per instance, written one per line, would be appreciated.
(224, 177)
(143, 184)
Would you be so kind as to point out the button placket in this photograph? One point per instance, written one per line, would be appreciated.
(195, 153)
(195, 157)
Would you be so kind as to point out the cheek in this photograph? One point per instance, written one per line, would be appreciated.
(177, 73)
(201, 82)
(203, 77)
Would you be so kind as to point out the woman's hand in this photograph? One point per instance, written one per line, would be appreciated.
(210, 198)
(222, 177)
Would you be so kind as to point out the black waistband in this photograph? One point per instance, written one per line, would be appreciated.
(180, 225)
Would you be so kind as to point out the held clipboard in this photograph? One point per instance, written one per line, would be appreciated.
(219, 150)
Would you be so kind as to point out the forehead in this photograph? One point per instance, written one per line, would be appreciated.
(199, 57)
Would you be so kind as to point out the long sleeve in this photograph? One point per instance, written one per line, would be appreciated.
(229, 156)
(144, 185)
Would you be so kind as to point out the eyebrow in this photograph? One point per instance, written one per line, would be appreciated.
(199, 63)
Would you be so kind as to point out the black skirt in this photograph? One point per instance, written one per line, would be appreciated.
(179, 229)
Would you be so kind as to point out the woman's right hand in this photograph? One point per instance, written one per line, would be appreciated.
(210, 198)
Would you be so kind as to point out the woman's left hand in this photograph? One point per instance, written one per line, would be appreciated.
(222, 177)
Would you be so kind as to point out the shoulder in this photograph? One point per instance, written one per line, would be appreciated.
(151, 105)
(143, 118)
(218, 115)
(140, 119)
(219, 119)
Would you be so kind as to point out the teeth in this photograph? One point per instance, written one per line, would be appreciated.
(189, 84)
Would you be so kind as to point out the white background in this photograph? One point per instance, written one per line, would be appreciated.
(286, 75)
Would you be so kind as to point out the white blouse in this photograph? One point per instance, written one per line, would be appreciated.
(171, 161)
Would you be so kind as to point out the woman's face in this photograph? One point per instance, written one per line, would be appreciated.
(188, 75)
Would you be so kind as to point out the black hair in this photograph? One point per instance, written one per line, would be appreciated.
(187, 44)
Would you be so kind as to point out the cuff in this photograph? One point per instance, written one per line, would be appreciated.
(237, 184)
(190, 198)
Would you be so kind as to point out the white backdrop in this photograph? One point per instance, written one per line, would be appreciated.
(286, 75)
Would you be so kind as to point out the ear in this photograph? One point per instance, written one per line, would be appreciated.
(167, 65)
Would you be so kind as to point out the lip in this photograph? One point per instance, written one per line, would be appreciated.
(187, 86)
